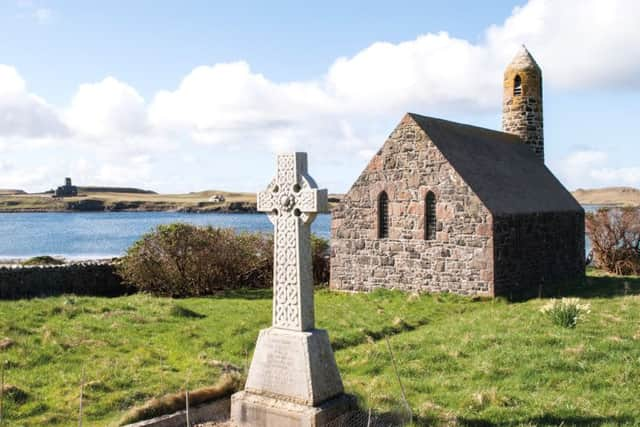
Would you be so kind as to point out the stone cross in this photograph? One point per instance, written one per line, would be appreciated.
(292, 201)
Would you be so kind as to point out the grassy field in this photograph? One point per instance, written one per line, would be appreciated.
(124, 201)
(119, 201)
(463, 361)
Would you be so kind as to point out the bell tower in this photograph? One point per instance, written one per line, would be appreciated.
(522, 101)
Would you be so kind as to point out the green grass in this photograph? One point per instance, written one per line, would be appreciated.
(462, 360)
(43, 260)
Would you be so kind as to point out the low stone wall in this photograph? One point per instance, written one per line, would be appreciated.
(89, 278)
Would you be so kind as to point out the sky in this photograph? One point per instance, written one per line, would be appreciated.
(193, 95)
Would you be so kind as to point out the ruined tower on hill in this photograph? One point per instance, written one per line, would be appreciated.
(522, 101)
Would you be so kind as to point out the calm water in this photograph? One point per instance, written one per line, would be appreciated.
(104, 235)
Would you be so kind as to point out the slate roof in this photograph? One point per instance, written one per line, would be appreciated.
(503, 172)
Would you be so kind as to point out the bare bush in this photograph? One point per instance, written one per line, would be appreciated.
(615, 239)
(320, 259)
(182, 260)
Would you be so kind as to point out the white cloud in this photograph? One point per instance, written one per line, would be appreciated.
(228, 103)
(433, 70)
(593, 168)
(580, 44)
(15, 177)
(108, 108)
(612, 176)
(23, 114)
(575, 169)
(43, 15)
(135, 171)
(31, 10)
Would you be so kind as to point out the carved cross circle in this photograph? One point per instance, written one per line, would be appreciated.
(292, 192)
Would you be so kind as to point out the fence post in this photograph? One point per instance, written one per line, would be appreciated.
(186, 394)
(187, 403)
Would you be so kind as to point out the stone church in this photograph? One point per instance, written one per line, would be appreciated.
(445, 206)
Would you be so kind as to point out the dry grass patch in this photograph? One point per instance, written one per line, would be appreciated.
(170, 403)
(575, 351)
(226, 367)
(612, 318)
(491, 397)
(5, 343)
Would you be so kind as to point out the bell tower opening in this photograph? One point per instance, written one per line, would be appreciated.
(517, 85)
(522, 101)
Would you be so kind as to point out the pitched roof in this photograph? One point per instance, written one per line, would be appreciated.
(503, 172)
(523, 61)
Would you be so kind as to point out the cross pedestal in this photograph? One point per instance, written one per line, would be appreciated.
(293, 380)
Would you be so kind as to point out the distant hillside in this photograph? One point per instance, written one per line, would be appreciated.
(623, 196)
(114, 199)
(115, 190)
(9, 192)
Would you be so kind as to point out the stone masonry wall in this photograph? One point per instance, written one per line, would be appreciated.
(522, 114)
(535, 252)
(459, 260)
(92, 278)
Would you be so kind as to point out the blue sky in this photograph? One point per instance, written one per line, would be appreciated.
(185, 96)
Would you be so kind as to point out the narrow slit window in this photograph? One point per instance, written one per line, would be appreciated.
(430, 216)
(517, 85)
(383, 215)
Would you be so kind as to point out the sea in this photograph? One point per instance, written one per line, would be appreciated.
(99, 235)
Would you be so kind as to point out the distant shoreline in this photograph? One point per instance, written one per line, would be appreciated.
(18, 261)
(105, 199)
(243, 210)
(101, 199)
(610, 196)
(97, 199)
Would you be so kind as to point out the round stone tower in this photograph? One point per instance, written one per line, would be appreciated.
(522, 101)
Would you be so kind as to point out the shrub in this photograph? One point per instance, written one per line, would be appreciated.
(182, 260)
(320, 259)
(615, 239)
(566, 312)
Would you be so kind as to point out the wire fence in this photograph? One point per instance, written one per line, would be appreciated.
(395, 413)
(362, 418)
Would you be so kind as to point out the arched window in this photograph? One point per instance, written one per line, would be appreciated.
(517, 85)
(430, 216)
(383, 215)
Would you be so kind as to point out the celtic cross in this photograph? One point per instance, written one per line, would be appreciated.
(292, 201)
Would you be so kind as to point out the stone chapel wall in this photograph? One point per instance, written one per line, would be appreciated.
(408, 166)
(538, 250)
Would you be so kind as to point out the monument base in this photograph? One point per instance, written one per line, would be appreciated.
(251, 410)
(293, 381)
